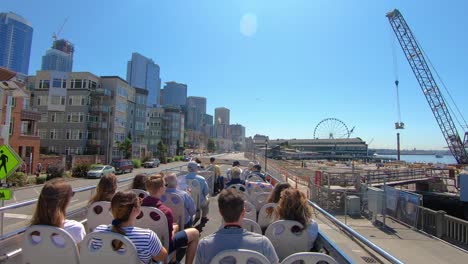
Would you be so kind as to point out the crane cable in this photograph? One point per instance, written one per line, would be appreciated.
(446, 90)
(395, 72)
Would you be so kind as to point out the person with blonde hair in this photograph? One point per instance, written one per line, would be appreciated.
(235, 177)
(293, 205)
(105, 189)
(189, 237)
(51, 208)
(126, 206)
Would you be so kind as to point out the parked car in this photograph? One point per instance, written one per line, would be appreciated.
(122, 166)
(100, 170)
(152, 163)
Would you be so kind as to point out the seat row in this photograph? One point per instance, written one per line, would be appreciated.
(243, 256)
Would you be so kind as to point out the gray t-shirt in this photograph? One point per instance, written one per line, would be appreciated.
(234, 238)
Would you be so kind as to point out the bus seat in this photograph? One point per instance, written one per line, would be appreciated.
(241, 256)
(309, 258)
(285, 239)
(252, 226)
(98, 213)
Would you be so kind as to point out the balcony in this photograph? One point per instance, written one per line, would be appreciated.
(30, 114)
(94, 124)
(95, 142)
(102, 92)
(29, 134)
(100, 108)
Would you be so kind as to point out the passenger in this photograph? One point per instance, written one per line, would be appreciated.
(171, 187)
(105, 189)
(235, 177)
(246, 173)
(139, 182)
(256, 174)
(233, 236)
(51, 206)
(126, 206)
(293, 205)
(219, 180)
(235, 164)
(275, 195)
(199, 163)
(185, 238)
(192, 175)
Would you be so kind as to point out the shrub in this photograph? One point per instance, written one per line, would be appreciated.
(146, 158)
(41, 179)
(163, 160)
(136, 163)
(169, 160)
(80, 170)
(54, 172)
(18, 179)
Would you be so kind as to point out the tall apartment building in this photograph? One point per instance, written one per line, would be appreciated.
(143, 73)
(238, 136)
(15, 42)
(123, 106)
(173, 128)
(208, 127)
(139, 123)
(154, 128)
(222, 123)
(59, 57)
(196, 109)
(22, 133)
(63, 101)
(174, 94)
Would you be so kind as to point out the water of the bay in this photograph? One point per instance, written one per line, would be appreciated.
(447, 159)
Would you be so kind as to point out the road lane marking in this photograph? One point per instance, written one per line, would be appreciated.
(18, 216)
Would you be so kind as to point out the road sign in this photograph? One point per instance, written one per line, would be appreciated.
(9, 161)
(5, 194)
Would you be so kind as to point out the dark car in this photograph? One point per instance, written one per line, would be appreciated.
(152, 163)
(122, 166)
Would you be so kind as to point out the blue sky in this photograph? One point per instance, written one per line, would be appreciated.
(303, 62)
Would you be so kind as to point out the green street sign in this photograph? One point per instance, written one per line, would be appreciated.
(5, 194)
(9, 161)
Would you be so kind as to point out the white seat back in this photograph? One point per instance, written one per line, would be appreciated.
(103, 252)
(263, 219)
(154, 219)
(285, 239)
(309, 258)
(260, 199)
(177, 205)
(140, 193)
(250, 211)
(241, 256)
(252, 226)
(239, 187)
(99, 213)
(48, 244)
(257, 187)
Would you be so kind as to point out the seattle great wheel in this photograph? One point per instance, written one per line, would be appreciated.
(331, 128)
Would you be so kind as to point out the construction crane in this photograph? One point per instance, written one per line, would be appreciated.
(423, 74)
(55, 36)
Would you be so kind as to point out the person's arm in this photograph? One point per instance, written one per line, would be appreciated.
(162, 256)
(157, 251)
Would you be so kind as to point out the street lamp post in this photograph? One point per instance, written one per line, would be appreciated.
(266, 150)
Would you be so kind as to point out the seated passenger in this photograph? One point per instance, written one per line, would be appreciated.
(139, 182)
(246, 172)
(233, 236)
(235, 177)
(126, 206)
(185, 238)
(235, 164)
(51, 206)
(192, 168)
(256, 174)
(105, 189)
(171, 187)
(275, 195)
(293, 205)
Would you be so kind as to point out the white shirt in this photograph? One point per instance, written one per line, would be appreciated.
(74, 228)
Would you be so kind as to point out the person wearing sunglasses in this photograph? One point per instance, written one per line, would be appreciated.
(51, 208)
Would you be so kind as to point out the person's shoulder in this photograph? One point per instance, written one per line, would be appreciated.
(72, 224)
(102, 228)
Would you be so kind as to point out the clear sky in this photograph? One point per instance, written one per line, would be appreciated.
(280, 66)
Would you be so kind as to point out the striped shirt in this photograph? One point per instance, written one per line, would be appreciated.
(146, 241)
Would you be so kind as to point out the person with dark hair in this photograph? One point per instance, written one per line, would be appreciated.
(293, 205)
(219, 180)
(199, 163)
(126, 206)
(105, 189)
(256, 174)
(51, 206)
(139, 182)
(275, 195)
(232, 235)
(185, 238)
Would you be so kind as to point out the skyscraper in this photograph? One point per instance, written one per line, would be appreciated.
(175, 94)
(143, 73)
(59, 57)
(196, 109)
(222, 123)
(15, 42)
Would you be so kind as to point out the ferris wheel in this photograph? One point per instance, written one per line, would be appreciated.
(332, 128)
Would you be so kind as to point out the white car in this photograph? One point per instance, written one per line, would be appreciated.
(100, 170)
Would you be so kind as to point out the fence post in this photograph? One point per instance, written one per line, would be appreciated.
(440, 223)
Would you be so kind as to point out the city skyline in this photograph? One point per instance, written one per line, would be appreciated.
(273, 64)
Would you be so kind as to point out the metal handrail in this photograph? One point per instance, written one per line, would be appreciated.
(353, 233)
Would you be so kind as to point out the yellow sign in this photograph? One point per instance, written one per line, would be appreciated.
(9, 161)
(5, 194)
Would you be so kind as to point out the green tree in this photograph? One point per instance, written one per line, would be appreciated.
(126, 147)
(162, 149)
(211, 145)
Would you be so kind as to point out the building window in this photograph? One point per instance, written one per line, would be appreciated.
(76, 83)
(44, 84)
(42, 133)
(12, 122)
(44, 117)
(53, 134)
